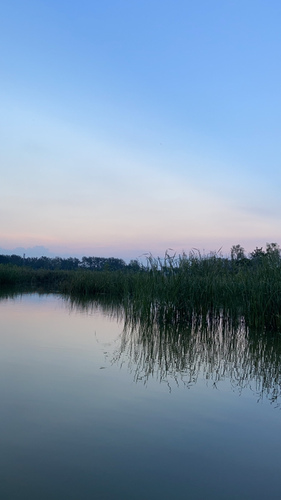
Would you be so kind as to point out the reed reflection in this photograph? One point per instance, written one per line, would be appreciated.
(215, 346)
(212, 348)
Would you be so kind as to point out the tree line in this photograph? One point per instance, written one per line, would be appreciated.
(237, 260)
(272, 253)
(71, 263)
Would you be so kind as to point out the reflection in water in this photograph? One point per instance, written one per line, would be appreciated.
(71, 429)
(214, 349)
(213, 346)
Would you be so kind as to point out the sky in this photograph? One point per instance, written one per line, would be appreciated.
(137, 126)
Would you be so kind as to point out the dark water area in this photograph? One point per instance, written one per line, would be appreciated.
(96, 403)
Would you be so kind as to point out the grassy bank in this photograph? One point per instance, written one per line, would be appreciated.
(15, 276)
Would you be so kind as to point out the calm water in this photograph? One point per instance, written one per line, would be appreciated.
(90, 411)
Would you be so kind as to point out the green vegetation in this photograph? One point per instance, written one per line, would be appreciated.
(69, 264)
(14, 275)
(176, 288)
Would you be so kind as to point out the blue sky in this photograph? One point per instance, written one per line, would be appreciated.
(139, 126)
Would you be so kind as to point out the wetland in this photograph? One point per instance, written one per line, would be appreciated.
(153, 383)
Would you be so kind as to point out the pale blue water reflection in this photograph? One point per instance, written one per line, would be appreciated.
(88, 412)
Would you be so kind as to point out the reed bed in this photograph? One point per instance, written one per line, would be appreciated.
(173, 289)
(17, 276)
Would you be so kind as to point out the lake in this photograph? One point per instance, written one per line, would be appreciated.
(93, 409)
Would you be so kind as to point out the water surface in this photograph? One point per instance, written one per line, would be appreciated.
(90, 410)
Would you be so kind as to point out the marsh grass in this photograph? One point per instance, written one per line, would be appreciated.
(17, 276)
(173, 289)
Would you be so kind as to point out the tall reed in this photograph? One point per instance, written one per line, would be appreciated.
(173, 288)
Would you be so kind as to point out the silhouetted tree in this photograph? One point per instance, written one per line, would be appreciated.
(237, 252)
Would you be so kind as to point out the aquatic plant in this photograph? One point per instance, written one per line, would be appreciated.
(173, 288)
